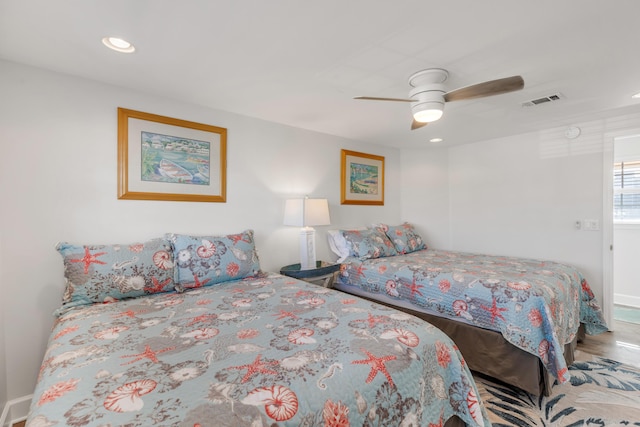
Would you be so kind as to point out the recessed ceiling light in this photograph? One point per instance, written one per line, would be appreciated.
(435, 140)
(636, 95)
(119, 45)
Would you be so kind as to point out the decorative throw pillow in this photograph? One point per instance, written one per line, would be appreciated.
(404, 237)
(369, 243)
(104, 273)
(208, 260)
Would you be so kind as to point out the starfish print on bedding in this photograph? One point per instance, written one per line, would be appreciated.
(89, 259)
(494, 310)
(157, 286)
(237, 238)
(415, 288)
(377, 365)
(197, 283)
(128, 313)
(202, 318)
(147, 353)
(303, 293)
(284, 314)
(360, 271)
(372, 320)
(256, 367)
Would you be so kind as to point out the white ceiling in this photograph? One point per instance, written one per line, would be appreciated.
(300, 63)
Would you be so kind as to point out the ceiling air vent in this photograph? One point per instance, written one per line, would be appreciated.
(550, 98)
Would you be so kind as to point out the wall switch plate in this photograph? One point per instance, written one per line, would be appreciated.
(591, 224)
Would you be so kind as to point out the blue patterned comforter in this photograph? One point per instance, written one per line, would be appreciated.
(264, 351)
(536, 305)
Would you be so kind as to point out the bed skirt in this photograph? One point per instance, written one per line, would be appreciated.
(481, 348)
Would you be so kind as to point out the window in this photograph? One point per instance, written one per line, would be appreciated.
(626, 191)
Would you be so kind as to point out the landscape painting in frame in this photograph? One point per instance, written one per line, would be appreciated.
(362, 179)
(162, 158)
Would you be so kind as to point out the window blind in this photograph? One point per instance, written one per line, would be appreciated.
(626, 191)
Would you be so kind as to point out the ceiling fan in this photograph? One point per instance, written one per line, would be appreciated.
(428, 93)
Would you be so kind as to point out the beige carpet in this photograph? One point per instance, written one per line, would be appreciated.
(602, 392)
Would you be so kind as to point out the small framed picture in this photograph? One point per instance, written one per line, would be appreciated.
(362, 179)
(161, 158)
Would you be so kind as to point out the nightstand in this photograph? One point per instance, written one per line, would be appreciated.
(323, 275)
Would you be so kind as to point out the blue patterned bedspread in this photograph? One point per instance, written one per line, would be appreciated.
(536, 305)
(269, 351)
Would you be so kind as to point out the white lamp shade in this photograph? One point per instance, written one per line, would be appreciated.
(306, 212)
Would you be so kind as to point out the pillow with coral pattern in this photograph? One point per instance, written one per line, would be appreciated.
(209, 260)
(105, 273)
(369, 243)
(404, 237)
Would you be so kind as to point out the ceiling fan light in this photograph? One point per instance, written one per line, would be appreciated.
(427, 112)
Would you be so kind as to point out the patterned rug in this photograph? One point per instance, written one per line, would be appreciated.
(602, 392)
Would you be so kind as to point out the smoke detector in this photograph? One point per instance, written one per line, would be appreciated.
(572, 132)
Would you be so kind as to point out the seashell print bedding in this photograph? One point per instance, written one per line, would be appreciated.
(266, 351)
(536, 305)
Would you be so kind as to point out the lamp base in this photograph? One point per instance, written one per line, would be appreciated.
(307, 248)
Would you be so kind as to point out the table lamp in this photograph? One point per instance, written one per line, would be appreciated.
(307, 213)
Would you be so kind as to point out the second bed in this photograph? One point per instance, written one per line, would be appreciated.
(514, 319)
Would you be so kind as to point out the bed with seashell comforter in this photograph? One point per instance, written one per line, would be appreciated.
(514, 319)
(260, 350)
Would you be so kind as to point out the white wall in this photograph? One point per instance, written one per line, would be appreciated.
(516, 196)
(58, 182)
(425, 195)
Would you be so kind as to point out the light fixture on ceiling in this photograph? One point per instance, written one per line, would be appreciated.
(430, 104)
(636, 95)
(427, 112)
(436, 140)
(118, 44)
(306, 213)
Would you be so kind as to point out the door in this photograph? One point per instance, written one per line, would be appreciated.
(621, 233)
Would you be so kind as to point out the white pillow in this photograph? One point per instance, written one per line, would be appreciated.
(338, 243)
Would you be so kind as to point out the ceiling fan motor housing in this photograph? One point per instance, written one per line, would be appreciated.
(428, 91)
(429, 104)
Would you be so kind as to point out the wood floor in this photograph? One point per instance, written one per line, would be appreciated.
(621, 344)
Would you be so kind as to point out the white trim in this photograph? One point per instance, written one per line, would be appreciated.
(607, 229)
(626, 225)
(626, 300)
(18, 408)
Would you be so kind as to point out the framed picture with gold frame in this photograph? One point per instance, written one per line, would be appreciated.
(362, 179)
(162, 158)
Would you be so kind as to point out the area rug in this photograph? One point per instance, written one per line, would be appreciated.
(602, 392)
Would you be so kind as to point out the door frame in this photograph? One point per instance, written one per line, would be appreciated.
(607, 220)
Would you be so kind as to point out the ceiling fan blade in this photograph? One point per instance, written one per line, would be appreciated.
(480, 90)
(373, 98)
(417, 125)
